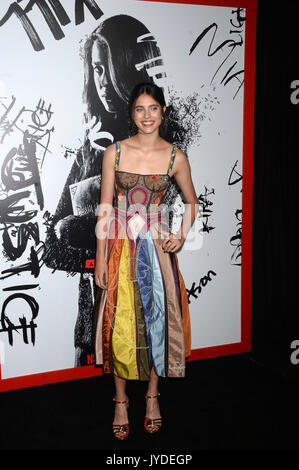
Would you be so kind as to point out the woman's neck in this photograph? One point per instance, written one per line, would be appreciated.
(148, 141)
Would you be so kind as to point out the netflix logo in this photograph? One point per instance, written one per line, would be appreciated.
(89, 263)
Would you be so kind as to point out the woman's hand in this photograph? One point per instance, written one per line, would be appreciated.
(172, 243)
(101, 274)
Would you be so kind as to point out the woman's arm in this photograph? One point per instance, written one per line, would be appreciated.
(105, 208)
(182, 174)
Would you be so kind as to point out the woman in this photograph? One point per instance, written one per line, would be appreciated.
(143, 324)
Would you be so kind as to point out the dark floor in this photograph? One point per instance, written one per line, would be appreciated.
(227, 403)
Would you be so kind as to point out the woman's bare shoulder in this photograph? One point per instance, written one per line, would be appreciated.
(181, 162)
(109, 154)
(128, 142)
(166, 145)
(181, 155)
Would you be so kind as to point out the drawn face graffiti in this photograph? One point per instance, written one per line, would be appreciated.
(102, 78)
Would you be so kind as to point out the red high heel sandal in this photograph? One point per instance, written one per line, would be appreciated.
(152, 425)
(121, 431)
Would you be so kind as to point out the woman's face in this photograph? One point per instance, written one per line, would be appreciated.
(147, 114)
(102, 79)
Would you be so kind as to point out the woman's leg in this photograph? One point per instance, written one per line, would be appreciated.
(121, 415)
(152, 404)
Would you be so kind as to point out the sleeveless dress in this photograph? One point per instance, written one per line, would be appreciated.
(142, 320)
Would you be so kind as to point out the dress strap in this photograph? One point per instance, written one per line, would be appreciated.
(171, 161)
(117, 155)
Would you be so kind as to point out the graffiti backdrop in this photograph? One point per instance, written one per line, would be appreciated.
(67, 70)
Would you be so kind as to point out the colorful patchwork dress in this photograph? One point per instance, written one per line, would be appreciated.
(142, 320)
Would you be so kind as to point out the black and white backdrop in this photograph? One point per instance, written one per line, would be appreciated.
(55, 124)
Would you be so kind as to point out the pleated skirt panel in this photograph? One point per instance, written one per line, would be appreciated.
(142, 319)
